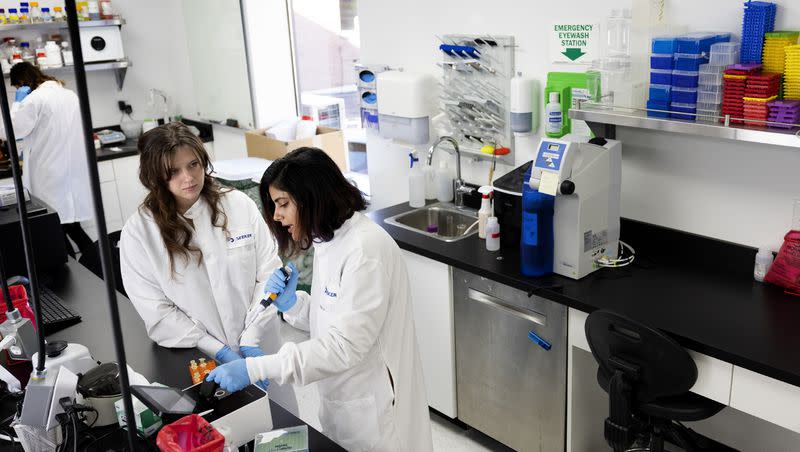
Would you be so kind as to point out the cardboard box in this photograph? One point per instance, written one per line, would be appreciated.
(329, 140)
(146, 421)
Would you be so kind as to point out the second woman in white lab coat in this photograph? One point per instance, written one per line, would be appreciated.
(195, 258)
(47, 119)
(363, 349)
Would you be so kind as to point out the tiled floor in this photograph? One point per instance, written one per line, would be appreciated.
(447, 435)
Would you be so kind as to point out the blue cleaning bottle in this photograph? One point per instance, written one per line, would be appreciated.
(536, 242)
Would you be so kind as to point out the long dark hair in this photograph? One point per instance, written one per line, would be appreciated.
(324, 198)
(26, 74)
(157, 148)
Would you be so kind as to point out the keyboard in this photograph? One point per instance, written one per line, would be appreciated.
(55, 316)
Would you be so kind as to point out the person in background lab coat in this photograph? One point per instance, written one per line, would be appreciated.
(363, 350)
(195, 258)
(47, 118)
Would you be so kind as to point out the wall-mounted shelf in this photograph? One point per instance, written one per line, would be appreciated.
(62, 24)
(603, 118)
(119, 67)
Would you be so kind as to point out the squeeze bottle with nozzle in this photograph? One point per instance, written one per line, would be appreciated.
(486, 209)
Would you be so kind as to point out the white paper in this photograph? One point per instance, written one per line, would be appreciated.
(549, 183)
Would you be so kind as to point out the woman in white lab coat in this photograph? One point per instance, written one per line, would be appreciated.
(363, 350)
(195, 258)
(47, 119)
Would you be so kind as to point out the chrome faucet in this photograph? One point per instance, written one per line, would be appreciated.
(459, 189)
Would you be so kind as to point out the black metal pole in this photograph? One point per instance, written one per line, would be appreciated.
(22, 208)
(99, 215)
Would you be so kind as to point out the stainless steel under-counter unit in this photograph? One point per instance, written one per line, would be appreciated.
(508, 386)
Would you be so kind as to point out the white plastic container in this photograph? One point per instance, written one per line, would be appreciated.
(66, 53)
(405, 106)
(306, 128)
(763, 263)
(553, 113)
(430, 181)
(444, 183)
(485, 211)
(492, 234)
(53, 53)
(524, 99)
(416, 182)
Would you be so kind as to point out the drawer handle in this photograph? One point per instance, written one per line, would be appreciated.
(497, 303)
(538, 340)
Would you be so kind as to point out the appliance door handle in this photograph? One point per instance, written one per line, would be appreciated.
(538, 340)
(494, 302)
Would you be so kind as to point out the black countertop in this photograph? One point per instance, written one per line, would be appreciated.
(127, 148)
(705, 297)
(83, 292)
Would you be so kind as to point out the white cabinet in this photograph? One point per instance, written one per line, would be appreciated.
(432, 299)
(766, 398)
(130, 191)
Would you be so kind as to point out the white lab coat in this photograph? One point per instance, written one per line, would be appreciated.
(48, 121)
(206, 305)
(363, 349)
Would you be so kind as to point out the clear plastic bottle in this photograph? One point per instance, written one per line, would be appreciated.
(36, 13)
(27, 54)
(430, 181)
(66, 53)
(618, 27)
(58, 14)
(485, 211)
(763, 262)
(444, 183)
(416, 182)
(46, 16)
(492, 234)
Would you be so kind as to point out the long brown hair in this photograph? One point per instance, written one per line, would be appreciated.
(325, 198)
(157, 147)
(26, 74)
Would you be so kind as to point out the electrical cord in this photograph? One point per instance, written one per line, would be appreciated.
(606, 262)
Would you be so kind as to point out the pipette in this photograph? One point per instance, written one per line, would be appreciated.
(267, 300)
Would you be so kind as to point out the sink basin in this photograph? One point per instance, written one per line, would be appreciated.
(441, 221)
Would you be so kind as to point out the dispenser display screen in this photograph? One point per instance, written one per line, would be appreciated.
(550, 155)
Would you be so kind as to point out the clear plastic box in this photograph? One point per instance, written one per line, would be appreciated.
(710, 79)
(704, 96)
(707, 115)
(708, 88)
(708, 106)
(724, 53)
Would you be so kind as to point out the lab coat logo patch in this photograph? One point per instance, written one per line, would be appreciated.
(330, 292)
(237, 239)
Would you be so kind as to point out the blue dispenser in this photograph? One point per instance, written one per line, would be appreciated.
(536, 241)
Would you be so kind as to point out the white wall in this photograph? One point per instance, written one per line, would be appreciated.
(732, 191)
(155, 41)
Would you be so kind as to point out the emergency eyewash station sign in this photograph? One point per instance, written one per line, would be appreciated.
(574, 42)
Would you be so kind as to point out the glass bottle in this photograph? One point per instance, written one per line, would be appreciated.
(46, 17)
(27, 53)
(106, 10)
(24, 16)
(3, 18)
(58, 14)
(35, 13)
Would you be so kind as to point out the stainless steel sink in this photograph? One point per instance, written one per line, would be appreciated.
(441, 221)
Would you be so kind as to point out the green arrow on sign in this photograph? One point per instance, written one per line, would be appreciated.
(573, 53)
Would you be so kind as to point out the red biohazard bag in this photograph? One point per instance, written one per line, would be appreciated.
(190, 433)
(785, 271)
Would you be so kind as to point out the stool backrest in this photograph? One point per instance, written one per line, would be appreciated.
(654, 363)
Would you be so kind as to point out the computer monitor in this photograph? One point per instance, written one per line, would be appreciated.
(47, 237)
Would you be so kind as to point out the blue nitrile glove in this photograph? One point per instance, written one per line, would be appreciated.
(231, 377)
(22, 92)
(226, 355)
(285, 290)
(253, 352)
